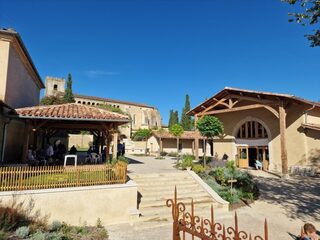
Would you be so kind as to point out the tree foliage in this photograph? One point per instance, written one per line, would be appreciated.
(111, 108)
(210, 126)
(142, 134)
(68, 95)
(186, 121)
(309, 15)
(51, 100)
(176, 130)
(173, 118)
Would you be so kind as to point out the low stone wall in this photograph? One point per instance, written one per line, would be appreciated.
(79, 205)
(305, 171)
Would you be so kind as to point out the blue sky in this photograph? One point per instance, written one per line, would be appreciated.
(156, 51)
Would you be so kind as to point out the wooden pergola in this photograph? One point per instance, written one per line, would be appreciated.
(71, 117)
(231, 100)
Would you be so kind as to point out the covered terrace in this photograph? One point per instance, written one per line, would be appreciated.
(43, 122)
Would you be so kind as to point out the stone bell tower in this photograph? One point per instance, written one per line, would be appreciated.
(54, 86)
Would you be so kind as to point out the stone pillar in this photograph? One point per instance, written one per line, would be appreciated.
(283, 145)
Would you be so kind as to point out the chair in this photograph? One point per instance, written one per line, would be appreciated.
(95, 158)
(70, 156)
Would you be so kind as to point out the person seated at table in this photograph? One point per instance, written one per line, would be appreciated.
(73, 150)
(258, 165)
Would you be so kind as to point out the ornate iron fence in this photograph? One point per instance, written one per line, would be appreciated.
(205, 229)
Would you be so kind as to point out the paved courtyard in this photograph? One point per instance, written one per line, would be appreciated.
(286, 203)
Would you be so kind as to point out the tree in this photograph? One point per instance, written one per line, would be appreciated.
(68, 95)
(186, 121)
(143, 134)
(177, 131)
(173, 118)
(51, 100)
(170, 118)
(111, 108)
(309, 15)
(209, 127)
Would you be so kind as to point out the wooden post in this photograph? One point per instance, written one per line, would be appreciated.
(282, 122)
(196, 139)
(26, 141)
(115, 145)
(161, 145)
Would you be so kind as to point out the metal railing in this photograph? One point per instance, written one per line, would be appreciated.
(44, 177)
(187, 223)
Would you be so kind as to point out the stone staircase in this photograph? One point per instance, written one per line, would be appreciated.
(155, 188)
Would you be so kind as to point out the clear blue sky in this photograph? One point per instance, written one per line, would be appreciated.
(156, 51)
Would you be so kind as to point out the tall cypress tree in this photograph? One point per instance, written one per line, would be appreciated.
(175, 118)
(170, 118)
(68, 95)
(186, 121)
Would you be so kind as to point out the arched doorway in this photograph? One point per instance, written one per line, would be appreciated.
(252, 138)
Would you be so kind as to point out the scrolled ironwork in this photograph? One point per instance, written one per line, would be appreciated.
(205, 228)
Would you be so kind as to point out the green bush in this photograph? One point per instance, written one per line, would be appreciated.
(187, 162)
(198, 168)
(22, 232)
(163, 154)
(56, 226)
(123, 159)
(13, 217)
(39, 235)
(3, 235)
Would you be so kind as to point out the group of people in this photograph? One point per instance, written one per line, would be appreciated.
(48, 155)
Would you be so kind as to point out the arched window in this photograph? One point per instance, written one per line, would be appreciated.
(252, 130)
(79, 102)
(55, 87)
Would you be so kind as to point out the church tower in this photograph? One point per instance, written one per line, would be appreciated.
(54, 86)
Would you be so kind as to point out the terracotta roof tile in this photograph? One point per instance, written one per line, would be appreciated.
(70, 111)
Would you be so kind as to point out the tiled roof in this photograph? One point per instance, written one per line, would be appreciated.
(250, 93)
(111, 100)
(185, 135)
(71, 111)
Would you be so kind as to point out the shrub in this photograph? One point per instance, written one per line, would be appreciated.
(173, 154)
(123, 159)
(22, 232)
(3, 235)
(39, 235)
(99, 223)
(163, 154)
(198, 168)
(12, 217)
(187, 162)
(56, 226)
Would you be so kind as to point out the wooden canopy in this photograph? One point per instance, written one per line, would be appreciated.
(71, 117)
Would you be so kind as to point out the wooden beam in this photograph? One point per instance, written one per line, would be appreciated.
(272, 110)
(253, 99)
(242, 108)
(75, 126)
(283, 146)
(219, 102)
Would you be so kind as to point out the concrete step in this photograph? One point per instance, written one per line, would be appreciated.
(169, 188)
(169, 194)
(184, 199)
(166, 182)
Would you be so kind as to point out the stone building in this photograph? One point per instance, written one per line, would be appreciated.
(281, 130)
(142, 115)
(20, 86)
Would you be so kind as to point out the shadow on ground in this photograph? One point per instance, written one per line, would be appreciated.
(133, 161)
(299, 197)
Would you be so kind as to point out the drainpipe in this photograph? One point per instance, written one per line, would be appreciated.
(4, 138)
(306, 113)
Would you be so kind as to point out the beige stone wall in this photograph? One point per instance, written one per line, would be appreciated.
(80, 140)
(21, 90)
(4, 60)
(110, 203)
(13, 146)
(142, 117)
